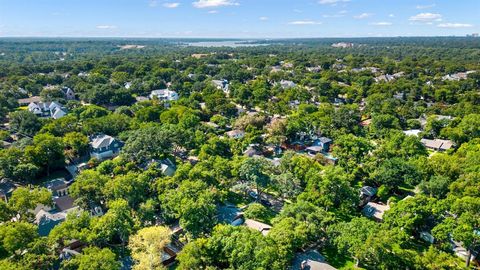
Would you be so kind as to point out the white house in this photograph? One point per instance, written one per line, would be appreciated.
(222, 85)
(164, 95)
(47, 109)
(287, 84)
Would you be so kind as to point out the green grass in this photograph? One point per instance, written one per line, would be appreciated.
(338, 260)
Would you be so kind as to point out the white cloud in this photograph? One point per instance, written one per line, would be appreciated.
(339, 14)
(306, 22)
(213, 12)
(391, 15)
(381, 23)
(455, 25)
(332, 2)
(153, 3)
(214, 3)
(171, 5)
(425, 6)
(106, 27)
(426, 17)
(263, 18)
(363, 16)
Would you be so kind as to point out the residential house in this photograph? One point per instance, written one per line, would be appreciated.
(275, 69)
(437, 144)
(27, 101)
(324, 143)
(285, 84)
(47, 109)
(222, 85)
(366, 194)
(104, 146)
(164, 95)
(6, 189)
(310, 260)
(375, 210)
(258, 226)
(167, 167)
(457, 76)
(252, 150)
(412, 132)
(343, 45)
(315, 69)
(58, 187)
(384, 78)
(47, 220)
(236, 134)
(68, 93)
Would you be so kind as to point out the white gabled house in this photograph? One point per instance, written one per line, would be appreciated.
(47, 109)
(164, 95)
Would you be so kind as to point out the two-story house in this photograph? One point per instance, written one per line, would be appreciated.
(47, 109)
(104, 146)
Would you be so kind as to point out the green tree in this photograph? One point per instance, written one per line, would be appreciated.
(115, 226)
(16, 236)
(46, 152)
(24, 199)
(88, 188)
(350, 236)
(76, 144)
(93, 258)
(148, 143)
(256, 171)
(24, 122)
(147, 245)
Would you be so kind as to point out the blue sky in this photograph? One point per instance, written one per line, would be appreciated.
(238, 18)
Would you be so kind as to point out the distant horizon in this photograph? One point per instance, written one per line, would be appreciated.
(467, 35)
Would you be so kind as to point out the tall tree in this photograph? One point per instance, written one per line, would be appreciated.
(147, 246)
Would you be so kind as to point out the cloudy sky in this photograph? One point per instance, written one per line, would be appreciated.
(238, 18)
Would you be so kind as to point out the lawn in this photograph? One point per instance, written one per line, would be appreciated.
(337, 260)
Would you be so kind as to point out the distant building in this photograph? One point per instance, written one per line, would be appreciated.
(457, 76)
(437, 144)
(222, 85)
(164, 95)
(412, 132)
(343, 45)
(68, 93)
(104, 147)
(375, 210)
(285, 84)
(27, 101)
(236, 134)
(47, 109)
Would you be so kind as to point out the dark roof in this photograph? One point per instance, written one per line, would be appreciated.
(63, 203)
(56, 184)
(6, 187)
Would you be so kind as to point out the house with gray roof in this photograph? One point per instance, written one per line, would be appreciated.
(47, 109)
(104, 146)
